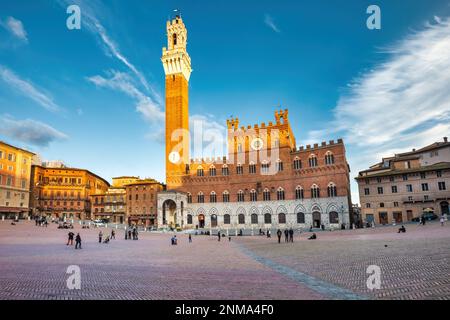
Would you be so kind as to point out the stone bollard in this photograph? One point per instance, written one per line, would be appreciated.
(106, 226)
(3, 217)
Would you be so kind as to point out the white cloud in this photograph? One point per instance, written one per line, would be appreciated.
(401, 104)
(27, 89)
(16, 28)
(120, 81)
(93, 25)
(29, 131)
(269, 21)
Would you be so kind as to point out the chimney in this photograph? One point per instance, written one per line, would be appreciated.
(445, 139)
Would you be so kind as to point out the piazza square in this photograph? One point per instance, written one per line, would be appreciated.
(414, 265)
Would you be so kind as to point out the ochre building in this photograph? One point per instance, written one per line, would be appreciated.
(15, 173)
(265, 180)
(64, 192)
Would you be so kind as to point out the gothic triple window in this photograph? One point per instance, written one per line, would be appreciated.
(212, 172)
(332, 190)
(313, 161)
(266, 195)
(253, 196)
(226, 196)
(329, 158)
(213, 197)
(315, 192)
(297, 164)
(280, 194)
(240, 196)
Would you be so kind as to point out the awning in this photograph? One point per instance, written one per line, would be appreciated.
(428, 210)
(12, 210)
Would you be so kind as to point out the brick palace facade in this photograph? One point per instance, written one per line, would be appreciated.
(265, 181)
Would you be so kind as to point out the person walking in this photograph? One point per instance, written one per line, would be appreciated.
(100, 236)
(113, 234)
(279, 233)
(286, 235)
(190, 238)
(78, 241)
(218, 236)
(129, 234)
(268, 233)
(70, 239)
(442, 221)
(291, 235)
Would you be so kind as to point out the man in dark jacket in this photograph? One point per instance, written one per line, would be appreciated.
(291, 235)
(78, 241)
(70, 239)
(279, 233)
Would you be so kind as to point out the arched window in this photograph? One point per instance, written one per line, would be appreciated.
(189, 219)
(254, 218)
(299, 195)
(253, 196)
(240, 196)
(280, 194)
(281, 218)
(332, 190)
(239, 169)
(329, 158)
(226, 219)
(267, 218)
(212, 171)
(312, 161)
(225, 171)
(266, 195)
(315, 191)
(226, 196)
(213, 197)
(200, 197)
(174, 39)
(200, 172)
(334, 217)
(241, 218)
(252, 168)
(301, 217)
(239, 147)
(189, 198)
(279, 165)
(297, 164)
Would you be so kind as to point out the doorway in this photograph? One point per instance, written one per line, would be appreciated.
(316, 219)
(169, 212)
(214, 221)
(444, 208)
(201, 221)
(398, 217)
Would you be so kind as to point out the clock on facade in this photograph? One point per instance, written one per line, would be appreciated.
(174, 157)
(257, 144)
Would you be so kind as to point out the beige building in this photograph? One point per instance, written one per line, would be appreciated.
(116, 199)
(403, 187)
(15, 172)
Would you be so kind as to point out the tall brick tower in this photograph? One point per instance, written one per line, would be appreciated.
(177, 67)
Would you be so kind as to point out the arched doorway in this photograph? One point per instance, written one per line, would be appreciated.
(444, 208)
(213, 221)
(201, 220)
(316, 219)
(169, 212)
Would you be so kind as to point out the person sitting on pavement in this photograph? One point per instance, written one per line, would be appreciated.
(313, 237)
(402, 230)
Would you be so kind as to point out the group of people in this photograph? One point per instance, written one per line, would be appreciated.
(77, 240)
(41, 221)
(131, 234)
(106, 240)
(288, 235)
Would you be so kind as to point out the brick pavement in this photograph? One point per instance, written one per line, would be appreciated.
(414, 265)
(33, 263)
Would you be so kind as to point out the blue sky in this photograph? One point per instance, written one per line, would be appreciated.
(93, 97)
